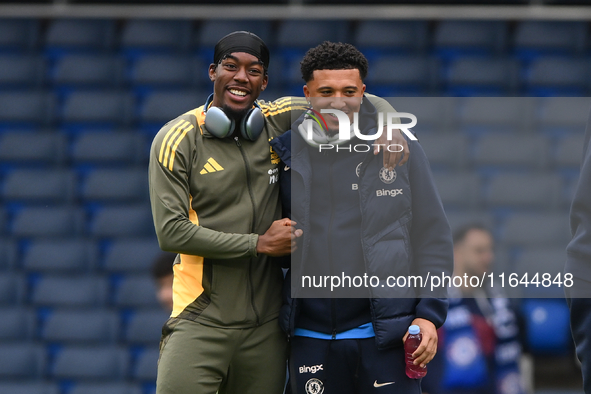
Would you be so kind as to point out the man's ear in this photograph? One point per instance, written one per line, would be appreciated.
(212, 71)
(306, 91)
(265, 82)
(363, 89)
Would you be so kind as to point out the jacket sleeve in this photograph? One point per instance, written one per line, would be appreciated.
(578, 263)
(176, 225)
(430, 235)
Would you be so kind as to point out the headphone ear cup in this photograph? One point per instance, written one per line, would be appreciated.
(252, 124)
(218, 123)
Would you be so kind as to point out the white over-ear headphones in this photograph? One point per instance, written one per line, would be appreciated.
(221, 126)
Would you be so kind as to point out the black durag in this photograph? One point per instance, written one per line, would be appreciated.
(242, 41)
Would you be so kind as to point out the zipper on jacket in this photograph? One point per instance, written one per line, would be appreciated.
(249, 185)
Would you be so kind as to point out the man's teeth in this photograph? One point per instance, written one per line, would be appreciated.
(238, 92)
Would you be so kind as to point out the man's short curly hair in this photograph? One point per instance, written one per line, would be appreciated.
(333, 56)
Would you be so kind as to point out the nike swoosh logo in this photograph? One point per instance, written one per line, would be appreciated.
(286, 168)
(376, 384)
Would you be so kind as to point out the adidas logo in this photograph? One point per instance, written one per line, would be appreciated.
(211, 166)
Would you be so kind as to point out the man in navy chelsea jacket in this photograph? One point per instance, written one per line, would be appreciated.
(358, 219)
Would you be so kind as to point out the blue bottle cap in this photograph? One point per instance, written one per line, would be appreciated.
(414, 330)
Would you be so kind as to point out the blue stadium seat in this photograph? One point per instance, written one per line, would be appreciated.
(407, 74)
(435, 115)
(453, 38)
(80, 34)
(541, 259)
(536, 230)
(166, 71)
(105, 388)
(33, 147)
(532, 38)
(22, 361)
(12, 289)
(156, 35)
(498, 114)
(116, 185)
(18, 34)
(458, 189)
(305, 34)
(46, 186)
(66, 255)
(162, 106)
(123, 221)
(556, 76)
(22, 71)
(131, 254)
(512, 151)
(458, 219)
(27, 108)
(386, 37)
(4, 262)
(107, 363)
(17, 324)
(105, 107)
(212, 31)
(56, 222)
(146, 365)
(145, 326)
(481, 76)
(438, 145)
(562, 114)
(135, 291)
(547, 328)
(569, 151)
(80, 71)
(82, 326)
(538, 190)
(107, 147)
(7, 252)
(20, 387)
(69, 291)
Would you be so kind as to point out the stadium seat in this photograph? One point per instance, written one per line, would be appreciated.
(105, 388)
(107, 147)
(27, 108)
(22, 361)
(547, 329)
(212, 31)
(81, 71)
(162, 106)
(560, 114)
(305, 34)
(90, 363)
(437, 147)
(538, 190)
(512, 150)
(33, 147)
(412, 74)
(7, 250)
(156, 35)
(116, 185)
(18, 34)
(43, 186)
(20, 387)
(536, 230)
(12, 289)
(495, 114)
(387, 37)
(145, 326)
(131, 254)
(123, 221)
(146, 365)
(453, 38)
(435, 115)
(17, 324)
(540, 259)
(22, 71)
(69, 291)
(535, 37)
(134, 291)
(481, 76)
(556, 76)
(82, 326)
(106, 107)
(48, 222)
(458, 219)
(569, 151)
(66, 255)
(167, 71)
(458, 189)
(80, 35)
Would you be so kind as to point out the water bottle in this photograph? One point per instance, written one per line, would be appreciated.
(412, 343)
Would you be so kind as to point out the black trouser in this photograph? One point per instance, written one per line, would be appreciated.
(347, 366)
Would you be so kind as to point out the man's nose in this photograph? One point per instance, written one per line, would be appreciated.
(241, 75)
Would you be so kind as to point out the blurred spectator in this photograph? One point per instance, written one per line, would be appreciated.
(163, 276)
(478, 350)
